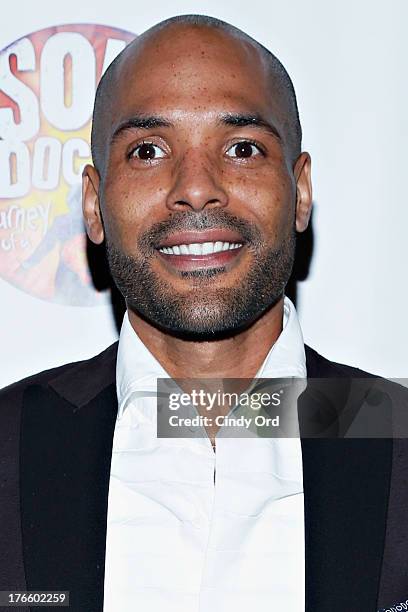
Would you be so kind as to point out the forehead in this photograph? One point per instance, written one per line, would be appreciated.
(191, 71)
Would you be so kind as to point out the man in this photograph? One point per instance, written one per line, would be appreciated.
(198, 187)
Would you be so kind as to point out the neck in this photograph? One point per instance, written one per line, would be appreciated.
(239, 356)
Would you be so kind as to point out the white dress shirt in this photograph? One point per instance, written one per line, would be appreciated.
(180, 539)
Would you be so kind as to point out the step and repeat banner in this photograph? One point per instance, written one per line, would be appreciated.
(348, 67)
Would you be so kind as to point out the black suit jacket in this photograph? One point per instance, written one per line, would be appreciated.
(56, 432)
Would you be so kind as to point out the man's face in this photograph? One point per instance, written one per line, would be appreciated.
(198, 196)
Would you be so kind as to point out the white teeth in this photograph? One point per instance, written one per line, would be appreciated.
(200, 248)
(195, 248)
(207, 247)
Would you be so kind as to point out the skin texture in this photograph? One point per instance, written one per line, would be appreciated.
(191, 76)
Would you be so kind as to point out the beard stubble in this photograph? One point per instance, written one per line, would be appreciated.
(204, 312)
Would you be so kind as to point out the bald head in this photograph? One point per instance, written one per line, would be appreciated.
(115, 81)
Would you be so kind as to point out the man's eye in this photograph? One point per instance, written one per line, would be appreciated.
(243, 149)
(147, 151)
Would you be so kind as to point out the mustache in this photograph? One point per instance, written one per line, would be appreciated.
(193, 221)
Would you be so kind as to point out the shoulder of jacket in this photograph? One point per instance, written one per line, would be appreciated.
(14, 392)
(319, 366)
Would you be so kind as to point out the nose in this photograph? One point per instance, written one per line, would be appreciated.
(197, 185)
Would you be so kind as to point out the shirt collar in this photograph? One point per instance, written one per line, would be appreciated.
(137, 369)
(287, 356)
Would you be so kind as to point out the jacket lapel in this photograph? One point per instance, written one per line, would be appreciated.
(346, 491)
(66, 447)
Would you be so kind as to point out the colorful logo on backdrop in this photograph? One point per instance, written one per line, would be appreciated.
(47, 87)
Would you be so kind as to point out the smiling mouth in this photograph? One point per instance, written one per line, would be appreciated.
(188, 251)
(200, 248)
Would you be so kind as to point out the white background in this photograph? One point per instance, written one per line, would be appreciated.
(348, 61)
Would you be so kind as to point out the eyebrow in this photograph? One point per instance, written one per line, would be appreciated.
(148, 122)
(250, 120)
(140, 122)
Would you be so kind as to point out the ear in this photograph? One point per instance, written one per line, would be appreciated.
(304, 196)
(90, 204)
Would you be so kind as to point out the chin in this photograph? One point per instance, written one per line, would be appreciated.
(199, 324)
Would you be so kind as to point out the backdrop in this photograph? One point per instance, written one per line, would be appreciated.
(348, 63)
